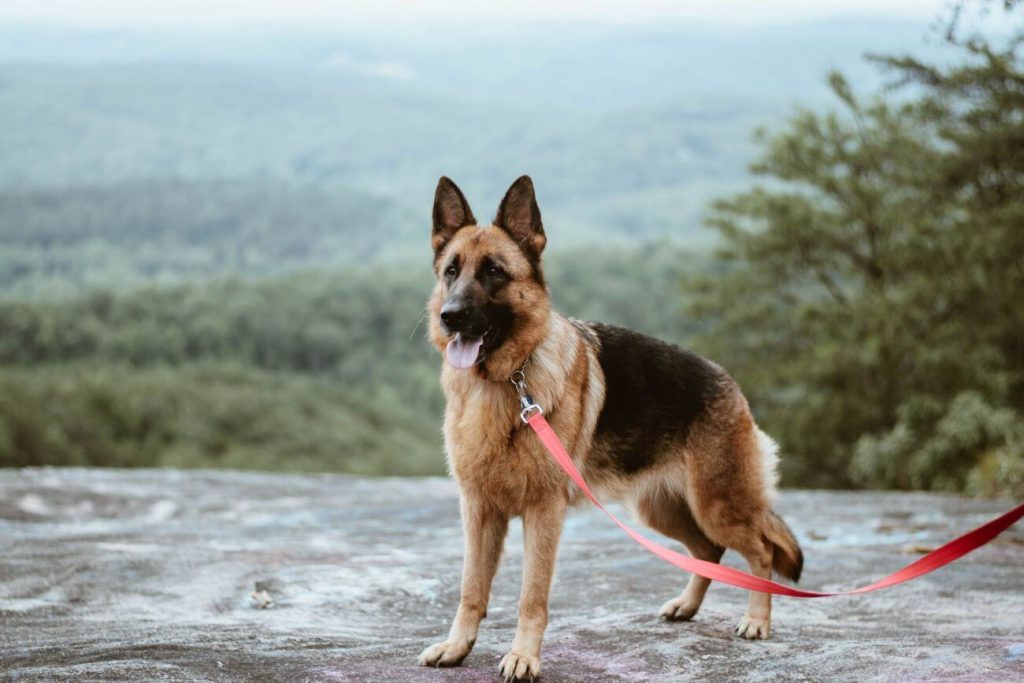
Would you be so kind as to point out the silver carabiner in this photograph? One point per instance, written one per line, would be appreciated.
(518, 380)
(529, 407)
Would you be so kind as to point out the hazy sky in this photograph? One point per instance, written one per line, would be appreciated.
(338, 13)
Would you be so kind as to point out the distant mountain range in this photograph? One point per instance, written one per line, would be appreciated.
(628, 132)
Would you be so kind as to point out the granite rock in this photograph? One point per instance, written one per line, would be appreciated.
(223, 576)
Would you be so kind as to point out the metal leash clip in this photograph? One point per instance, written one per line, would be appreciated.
(529, 407)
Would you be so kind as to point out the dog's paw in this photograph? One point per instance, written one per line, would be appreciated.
(753, 628)
(448, 653)
(516, 666)
(679, 609)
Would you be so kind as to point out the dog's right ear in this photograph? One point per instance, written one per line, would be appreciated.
(451, 213)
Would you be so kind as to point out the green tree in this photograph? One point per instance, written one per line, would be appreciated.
(869, 288)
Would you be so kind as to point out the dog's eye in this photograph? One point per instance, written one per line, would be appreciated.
(495, 271)
(451, 271)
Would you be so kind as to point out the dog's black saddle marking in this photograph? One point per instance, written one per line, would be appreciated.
(654, 393)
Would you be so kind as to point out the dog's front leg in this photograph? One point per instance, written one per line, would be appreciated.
(542, 527)
(484, 528)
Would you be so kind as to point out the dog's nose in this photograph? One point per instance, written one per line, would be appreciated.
(454, 314)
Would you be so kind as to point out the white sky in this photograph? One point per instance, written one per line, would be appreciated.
(328, 13)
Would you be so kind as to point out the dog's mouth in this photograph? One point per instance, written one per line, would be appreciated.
(465, 351)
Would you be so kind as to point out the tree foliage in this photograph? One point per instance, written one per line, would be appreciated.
(207, 414)
(869, 289)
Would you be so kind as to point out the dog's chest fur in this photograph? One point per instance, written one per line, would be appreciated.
(490, 452)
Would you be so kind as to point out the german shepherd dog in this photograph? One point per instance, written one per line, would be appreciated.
(660, 429)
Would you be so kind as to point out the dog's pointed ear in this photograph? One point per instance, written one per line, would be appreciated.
(451, 213)
(519, 216)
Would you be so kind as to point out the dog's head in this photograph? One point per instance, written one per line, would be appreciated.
(490, 307)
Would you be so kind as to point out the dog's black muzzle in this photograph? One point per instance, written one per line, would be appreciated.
(458, 315)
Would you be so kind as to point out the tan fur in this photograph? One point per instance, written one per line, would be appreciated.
(713, 492)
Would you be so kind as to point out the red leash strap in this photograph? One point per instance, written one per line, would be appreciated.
(939, 557)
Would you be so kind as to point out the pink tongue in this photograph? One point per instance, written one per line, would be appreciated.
(462, 352)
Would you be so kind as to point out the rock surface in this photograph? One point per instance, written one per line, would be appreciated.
(156, 575)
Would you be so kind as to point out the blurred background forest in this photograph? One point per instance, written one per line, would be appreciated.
(214, 243)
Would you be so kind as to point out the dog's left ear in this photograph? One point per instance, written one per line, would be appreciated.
(519, 216)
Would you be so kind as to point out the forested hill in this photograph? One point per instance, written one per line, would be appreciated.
(56, 241)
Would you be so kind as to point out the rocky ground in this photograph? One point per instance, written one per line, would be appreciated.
(156, 575)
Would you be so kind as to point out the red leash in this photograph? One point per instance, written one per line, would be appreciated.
(939, 557)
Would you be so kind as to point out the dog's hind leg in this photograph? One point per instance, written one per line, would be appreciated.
(756, 623)
(669, 514)
(730, 492)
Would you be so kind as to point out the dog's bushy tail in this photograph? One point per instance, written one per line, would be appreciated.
(787, 557)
